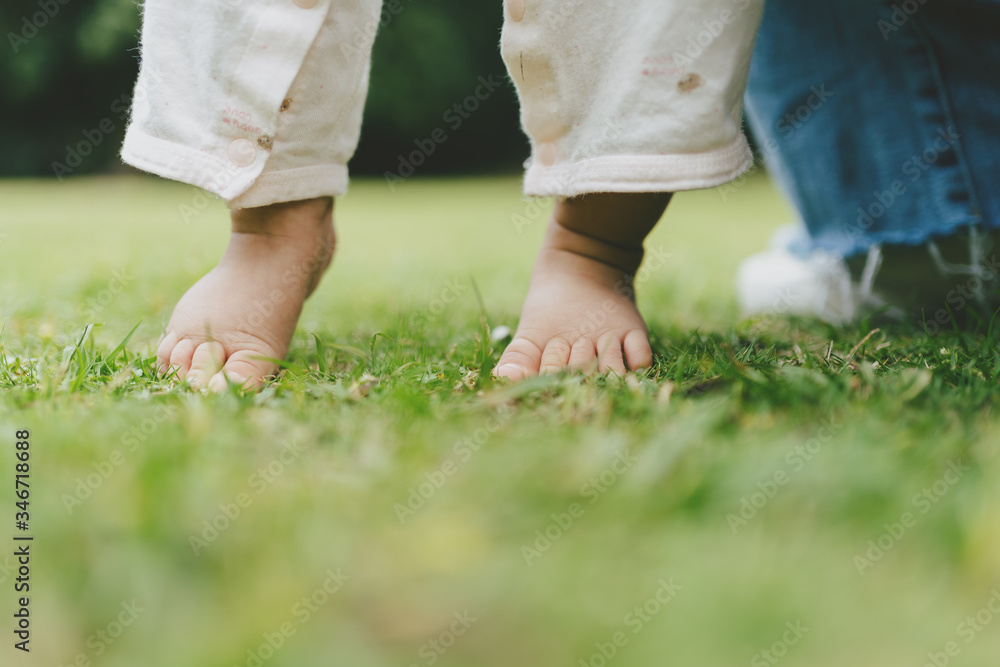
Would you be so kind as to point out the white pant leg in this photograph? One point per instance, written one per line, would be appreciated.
(257, 101)
(631, 95)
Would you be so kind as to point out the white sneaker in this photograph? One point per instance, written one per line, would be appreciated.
(910, 279)
(780, 283)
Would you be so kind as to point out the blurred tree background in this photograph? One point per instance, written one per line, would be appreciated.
(69, 66)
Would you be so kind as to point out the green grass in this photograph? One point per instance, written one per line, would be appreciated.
(385, 391)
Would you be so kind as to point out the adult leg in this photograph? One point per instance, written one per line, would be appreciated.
(878, 120)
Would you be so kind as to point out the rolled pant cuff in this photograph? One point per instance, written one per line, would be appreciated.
(240, 187)
(187, 165)
(640, 173)
(328, 180)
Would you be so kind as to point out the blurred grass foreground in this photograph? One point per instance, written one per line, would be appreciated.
(770, 492)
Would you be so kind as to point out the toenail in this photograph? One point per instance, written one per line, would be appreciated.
(509, 367)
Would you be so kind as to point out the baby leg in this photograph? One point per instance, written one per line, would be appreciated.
(624, 103)
(259, 103)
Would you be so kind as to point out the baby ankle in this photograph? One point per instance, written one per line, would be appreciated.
(624, 258)
(297, 218)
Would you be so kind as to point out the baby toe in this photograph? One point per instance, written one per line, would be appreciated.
(521, 359)
(556, 356)
(206, 361)
(638, 353)
(583, 356)
(163, 350)
(180, 356)
(609, 350)
(248, 369)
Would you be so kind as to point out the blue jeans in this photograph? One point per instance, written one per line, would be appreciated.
(879, 119)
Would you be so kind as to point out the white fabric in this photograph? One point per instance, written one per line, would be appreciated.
(260, 101)
(631, 95)
(257, 101)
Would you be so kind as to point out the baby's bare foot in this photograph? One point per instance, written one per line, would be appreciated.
(580, 311)
(234, 322)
